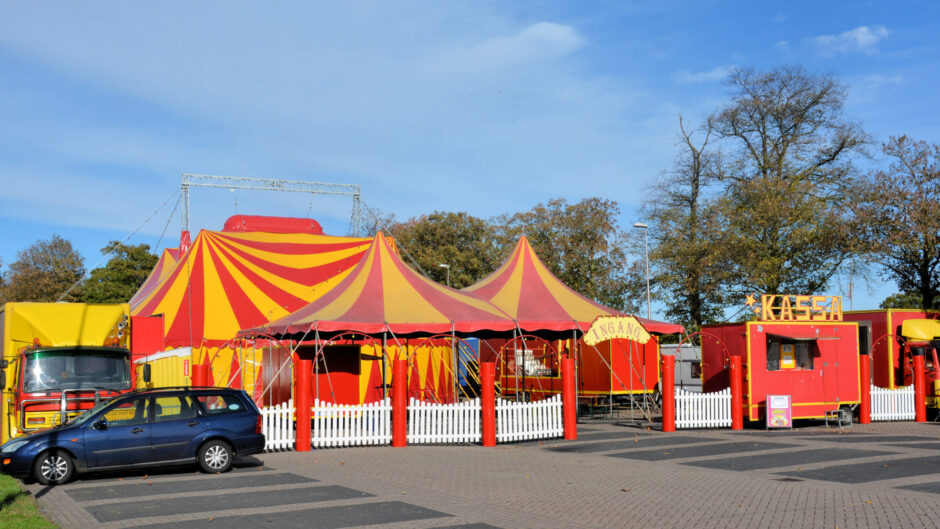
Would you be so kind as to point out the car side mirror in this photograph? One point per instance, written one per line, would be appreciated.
(146, 373)
(102, 424)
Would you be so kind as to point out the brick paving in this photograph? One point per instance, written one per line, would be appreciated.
(546, 484)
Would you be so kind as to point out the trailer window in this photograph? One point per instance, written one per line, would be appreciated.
(788, 354)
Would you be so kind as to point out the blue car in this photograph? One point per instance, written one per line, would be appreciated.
(154, 427)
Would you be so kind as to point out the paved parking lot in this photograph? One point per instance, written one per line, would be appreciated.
(614, 475)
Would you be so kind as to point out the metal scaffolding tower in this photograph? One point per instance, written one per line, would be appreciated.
(267, 184)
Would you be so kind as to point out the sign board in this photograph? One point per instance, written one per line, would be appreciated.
(779, 411)
(609, 327)
(788, 307)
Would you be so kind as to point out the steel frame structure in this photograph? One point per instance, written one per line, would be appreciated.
(268, 184)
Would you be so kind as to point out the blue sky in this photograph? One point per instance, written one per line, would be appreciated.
(484, 107)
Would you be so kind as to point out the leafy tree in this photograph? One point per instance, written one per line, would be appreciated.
(902, 218)
(461, 241)
(907, 300)
(44, 271)
(125, 272)
(787, 160)
(687, 234)
(583, 245)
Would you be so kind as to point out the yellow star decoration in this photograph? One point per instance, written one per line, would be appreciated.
(751, 300)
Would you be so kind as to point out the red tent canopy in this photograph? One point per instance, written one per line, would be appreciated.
(383, 294)
(525, 289)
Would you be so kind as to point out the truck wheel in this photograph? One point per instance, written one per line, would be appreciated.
(215, 456)
(845, 416)
(53, 468)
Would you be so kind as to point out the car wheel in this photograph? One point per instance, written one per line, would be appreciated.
(215, 456)
(53, 468)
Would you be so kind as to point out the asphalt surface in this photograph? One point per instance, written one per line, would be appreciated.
(614, 475)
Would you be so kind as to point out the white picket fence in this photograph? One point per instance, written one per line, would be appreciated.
(892, 404)
(703, 410)
(433, 423)
(351, 425)
(520, 421)
(277, 424)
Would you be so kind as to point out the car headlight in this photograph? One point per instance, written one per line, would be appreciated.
(14, 445)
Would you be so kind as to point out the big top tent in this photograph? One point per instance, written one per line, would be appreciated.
(524, 288)
(383, 294)
(227, 281)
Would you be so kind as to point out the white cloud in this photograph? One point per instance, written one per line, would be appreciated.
(860, 39)
(715, 74)
(540, 41)
(780, 17)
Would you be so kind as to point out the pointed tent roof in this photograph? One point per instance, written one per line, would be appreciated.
(164, 266)
(383, 293)
(525, 289)
(227, 281)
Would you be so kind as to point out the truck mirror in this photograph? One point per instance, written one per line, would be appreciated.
(3, 379)
(146, 373)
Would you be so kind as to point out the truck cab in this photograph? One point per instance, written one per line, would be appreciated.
(59, 359)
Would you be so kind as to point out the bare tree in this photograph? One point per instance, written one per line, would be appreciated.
(688, 231)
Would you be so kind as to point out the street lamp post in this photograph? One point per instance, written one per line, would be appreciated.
(646, 242)
(447, 267)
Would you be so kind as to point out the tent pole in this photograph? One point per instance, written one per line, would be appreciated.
(384, 355)
(515, 357)
(316, 363)
(455, 371)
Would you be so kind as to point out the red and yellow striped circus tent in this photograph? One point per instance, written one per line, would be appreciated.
(227, 281)
(383, 294)
(524, 288)
(161, 270)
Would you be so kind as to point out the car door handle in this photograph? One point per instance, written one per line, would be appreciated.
(137, 430)
(192, 423)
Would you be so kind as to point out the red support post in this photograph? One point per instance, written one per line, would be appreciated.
(737, 393)
(920, 397)
(302, 402)
(200, 375)
(488, 402)
(864, 375)
(399, 402)
(669, 393)
(569, 399)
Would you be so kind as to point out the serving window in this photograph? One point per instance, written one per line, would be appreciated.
(789, 354)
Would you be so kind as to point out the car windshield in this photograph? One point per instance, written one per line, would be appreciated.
(76, 368)
(88, 414)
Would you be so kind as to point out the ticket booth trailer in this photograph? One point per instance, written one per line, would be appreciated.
(817, 363)
(880, 332)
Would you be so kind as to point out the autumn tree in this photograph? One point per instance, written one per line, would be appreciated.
(687, 233)
(122, 276)
(582, 244)
(787, 153)
(462, 242)
(901, 208)
(44, 271)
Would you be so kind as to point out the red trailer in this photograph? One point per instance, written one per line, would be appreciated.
(610, 369)
(882, 333)
(798, 346)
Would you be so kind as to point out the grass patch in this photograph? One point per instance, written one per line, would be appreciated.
(18, 509)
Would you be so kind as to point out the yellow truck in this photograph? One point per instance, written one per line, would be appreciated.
(59, 359)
